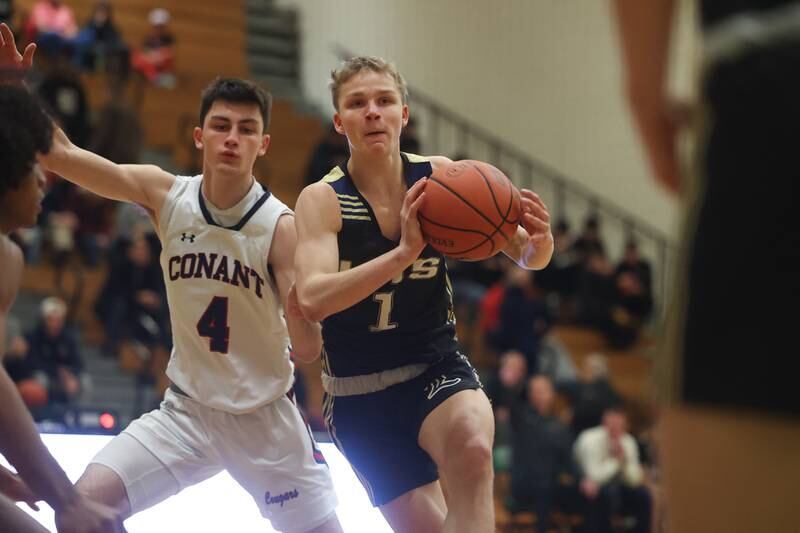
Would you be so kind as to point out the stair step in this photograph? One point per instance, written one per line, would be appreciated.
(258, 24)
(269, 45)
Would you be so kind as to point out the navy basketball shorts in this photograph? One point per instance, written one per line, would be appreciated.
(378, 432)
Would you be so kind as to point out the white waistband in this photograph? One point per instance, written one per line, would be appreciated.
(749, 31)
(368, 383)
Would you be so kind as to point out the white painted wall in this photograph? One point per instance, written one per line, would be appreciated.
(543, 75)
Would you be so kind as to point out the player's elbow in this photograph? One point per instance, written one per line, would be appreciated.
(312, 311)
(311, 305)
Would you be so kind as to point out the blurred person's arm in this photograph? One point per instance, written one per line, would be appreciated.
(632, 472)
(644, 29)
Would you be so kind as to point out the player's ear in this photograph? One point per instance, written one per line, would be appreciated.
(264, 144)
(197, 135)
(405, 115)
(337, 123)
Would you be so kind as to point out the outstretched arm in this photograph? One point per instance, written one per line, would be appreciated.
(322, 289)
(146, 185)
(305, 336)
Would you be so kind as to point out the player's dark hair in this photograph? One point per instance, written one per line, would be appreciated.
(25, 130)
(238, 91)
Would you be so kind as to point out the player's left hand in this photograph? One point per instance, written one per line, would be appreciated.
(535, 217)
(16, 489)
(13, 65)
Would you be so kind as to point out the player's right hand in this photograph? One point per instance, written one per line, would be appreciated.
(411, 240)
(13, 65)
(85, 516)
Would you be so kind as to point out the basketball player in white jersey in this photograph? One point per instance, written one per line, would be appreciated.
(228, 253)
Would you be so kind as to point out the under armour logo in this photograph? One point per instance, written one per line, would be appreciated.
(187, 237)
(440, 383)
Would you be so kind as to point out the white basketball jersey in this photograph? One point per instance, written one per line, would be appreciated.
(230, 342)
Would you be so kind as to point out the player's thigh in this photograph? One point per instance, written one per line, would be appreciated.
(728, 470)
(462, 421)
(420, 510)
(12, 518)
(158, 455)
(273, 455)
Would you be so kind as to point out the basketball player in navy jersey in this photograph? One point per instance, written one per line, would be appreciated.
(402, 403)
(725, 367)
(228, 250)
(24, 131)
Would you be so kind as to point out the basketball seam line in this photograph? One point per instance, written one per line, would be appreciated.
(492, 224)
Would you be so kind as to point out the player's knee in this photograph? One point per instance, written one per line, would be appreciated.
(101, 484)
(471, 457)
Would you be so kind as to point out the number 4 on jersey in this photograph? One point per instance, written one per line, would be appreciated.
(214, 324)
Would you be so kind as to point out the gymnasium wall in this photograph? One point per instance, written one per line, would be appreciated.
(541, 74)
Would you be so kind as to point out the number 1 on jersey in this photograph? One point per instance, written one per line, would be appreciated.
(385, 300)
(214, 324)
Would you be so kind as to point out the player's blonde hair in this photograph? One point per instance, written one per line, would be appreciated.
(354, 65)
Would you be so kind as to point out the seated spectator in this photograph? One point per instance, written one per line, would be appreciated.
(99, 45)
(330, 151)
(132, 305)
(52, 26)
(21, 368)
(561, 275)
(613, 478)
(524, 317)
(589, 241)
(635, 285)
(591, 395)
(544, 473)
(599, 303)
(65, 95)
(156, 59)
(54, 352)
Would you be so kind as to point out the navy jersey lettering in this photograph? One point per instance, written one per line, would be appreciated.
(409, 319)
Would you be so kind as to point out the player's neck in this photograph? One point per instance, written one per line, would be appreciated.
(377, 174)
(225, 192)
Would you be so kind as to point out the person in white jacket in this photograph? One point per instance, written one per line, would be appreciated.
(613, 479)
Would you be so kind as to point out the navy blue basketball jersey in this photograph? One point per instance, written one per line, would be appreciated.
(409, 319)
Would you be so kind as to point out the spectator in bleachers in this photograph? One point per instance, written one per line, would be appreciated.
(20, 367)
(132, 305)
(65, 95)
(99, 45)
(524, 317)
(330, 151)
(589, 241)
(118, 135)
(613, 478)
(591, 395)
(561, 276)
(92, 232)
(506, 389)
(55, 353)
(51, 24)
(6, 11)
(634, 283)
(544, 472)
(600, 303)
(156, 58)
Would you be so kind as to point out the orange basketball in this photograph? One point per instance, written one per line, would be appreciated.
(471, 210)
